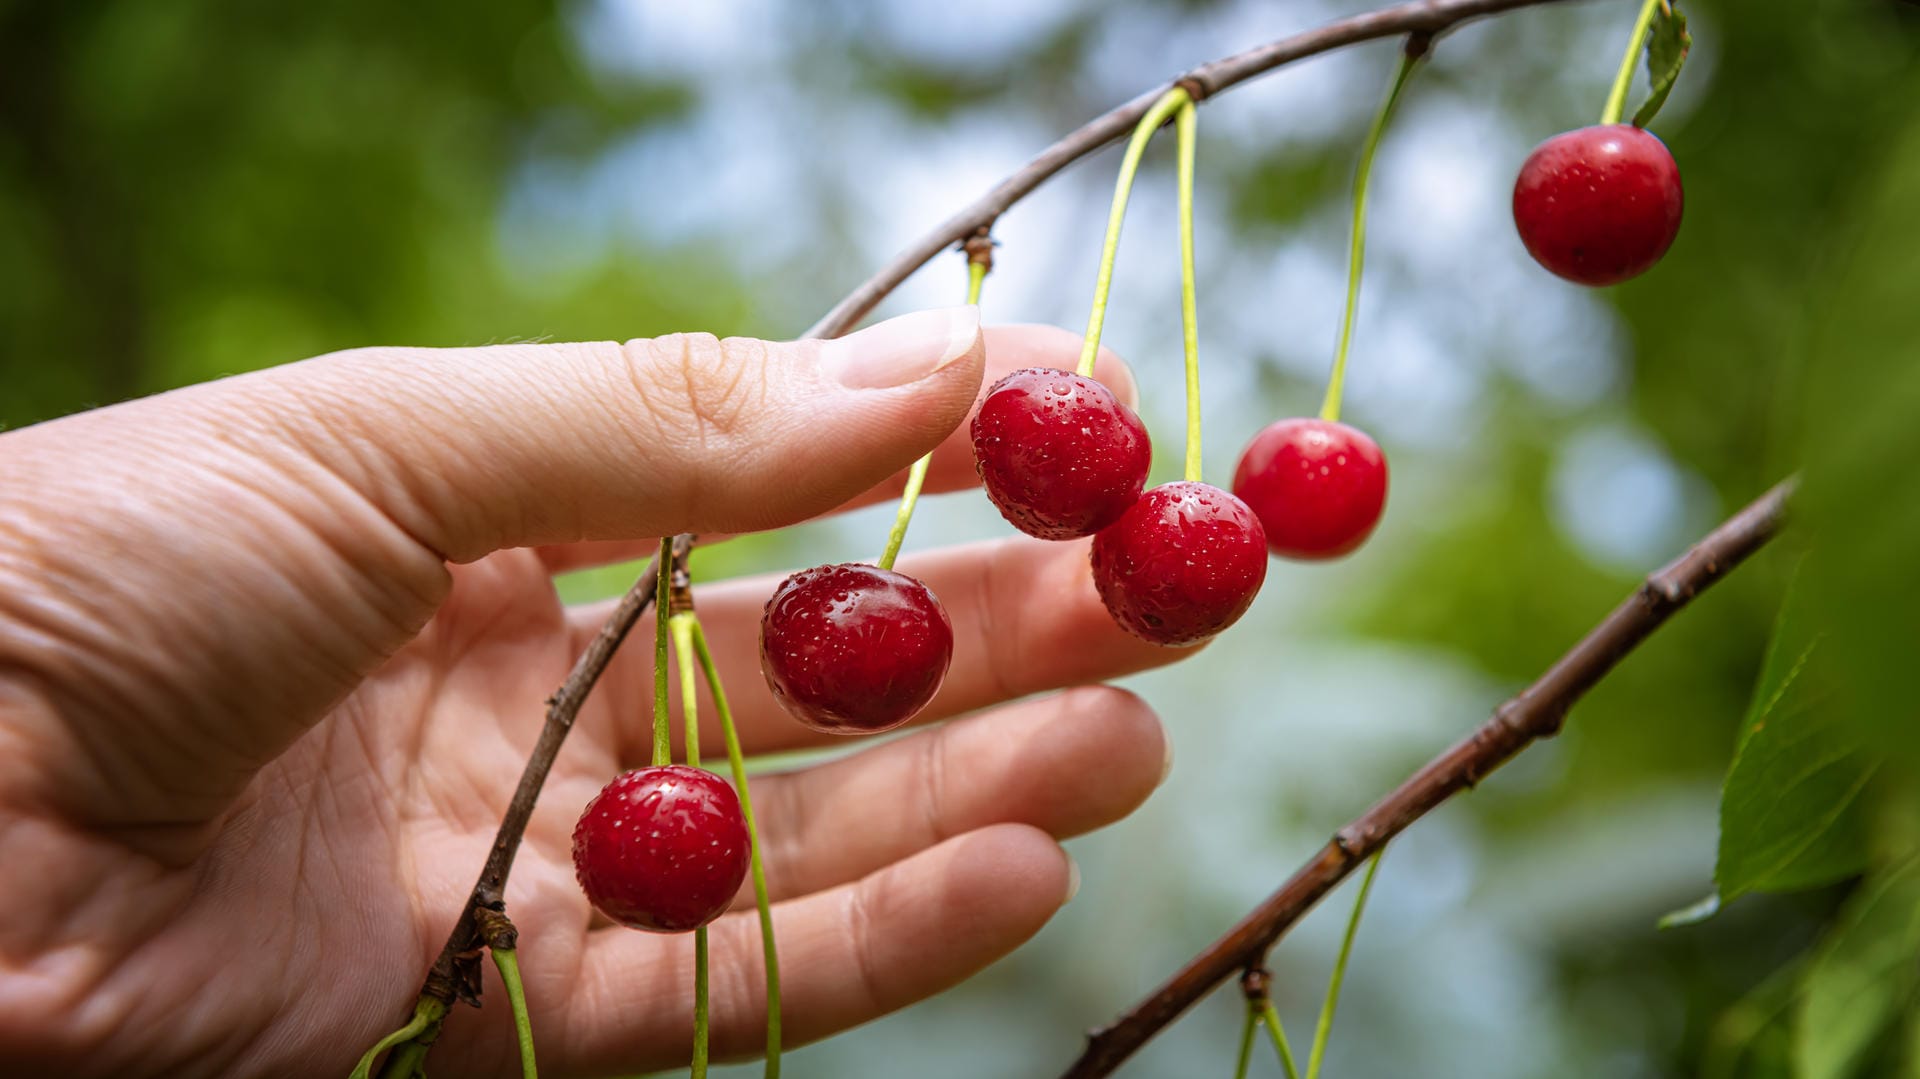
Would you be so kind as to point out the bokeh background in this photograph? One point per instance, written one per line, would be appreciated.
(199, 187)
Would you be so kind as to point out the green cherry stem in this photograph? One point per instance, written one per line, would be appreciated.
(1246, 1041)
(917, 476)
(699, 1068)
(409, 1059)
(1357, 249)
(427, 1012)
(1186, 128)
(681, 625)
(1325, 1026)
(1617, 98)
(737, 761)
(509, 963)
(1280, 1046)
(1129, 165)
(662, 736)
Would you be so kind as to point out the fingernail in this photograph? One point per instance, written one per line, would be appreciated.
(1073, 878)
(901, 350)
(1166, 763)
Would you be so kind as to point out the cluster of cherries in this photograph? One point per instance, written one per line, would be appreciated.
(1062, 458)
(852, 649)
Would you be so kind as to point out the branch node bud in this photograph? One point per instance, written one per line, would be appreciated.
(1349, 841)
(496, 928)
(1255, 982)
(979, 247)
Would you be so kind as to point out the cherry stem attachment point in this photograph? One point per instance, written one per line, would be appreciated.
(502, 941)
(1129, 165)
(979, 261)
(1325, 1026)
(1617, 98)
(1357, 249)
(737, 762)
(1186, 129)
(1255, 984)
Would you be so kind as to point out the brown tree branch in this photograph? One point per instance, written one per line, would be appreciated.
(1423, 17)
(1536, 713)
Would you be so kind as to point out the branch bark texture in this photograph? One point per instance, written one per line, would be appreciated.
(1536, 713)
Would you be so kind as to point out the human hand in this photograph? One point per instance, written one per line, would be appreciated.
(273, 651)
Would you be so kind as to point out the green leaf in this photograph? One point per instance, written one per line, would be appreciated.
(1862, 979)
(1791, 813)
(1667, 47)
(1861, 504)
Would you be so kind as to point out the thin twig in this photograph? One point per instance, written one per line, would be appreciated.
(1536, 713)
(1429, 17)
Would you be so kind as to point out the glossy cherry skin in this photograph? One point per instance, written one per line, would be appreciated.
(1059, 455)
(1183, 564)
(1317, 486)
(662, 849)
(1598, 205)
(854, 649)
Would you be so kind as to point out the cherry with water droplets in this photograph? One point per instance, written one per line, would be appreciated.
(1181, 565)
(854, 649)
(1598, 205)
(1317, 486)
(662, 849)
(1059, 454)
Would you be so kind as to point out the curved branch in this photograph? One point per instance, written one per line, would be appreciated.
(1426, 17)
(1536, 713)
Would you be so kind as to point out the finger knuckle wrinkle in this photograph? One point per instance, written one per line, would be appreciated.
(862, 928)
(695, 385)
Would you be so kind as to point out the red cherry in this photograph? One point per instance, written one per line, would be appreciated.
(1058, 453)
(1317, 486)
(854, 649)
(662, 849)
(1598, 205)
(1183, 564)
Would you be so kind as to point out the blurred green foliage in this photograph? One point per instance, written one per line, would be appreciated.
(194, 189)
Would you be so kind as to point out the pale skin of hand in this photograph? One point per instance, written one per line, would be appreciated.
(273, 651)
